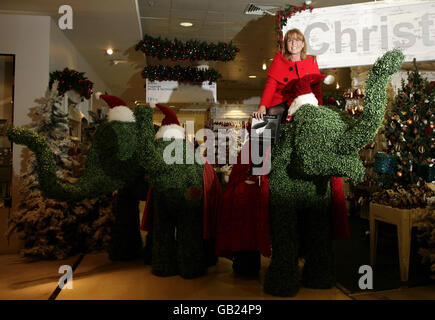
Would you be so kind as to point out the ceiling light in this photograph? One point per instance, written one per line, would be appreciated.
(252, 77)
(186, 24)
(264, 66)
(109, 51)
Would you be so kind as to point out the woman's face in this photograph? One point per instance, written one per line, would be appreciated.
(294, 45)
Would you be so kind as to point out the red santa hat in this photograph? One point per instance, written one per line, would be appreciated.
(300, 91)
(170, 127)
(118, 109)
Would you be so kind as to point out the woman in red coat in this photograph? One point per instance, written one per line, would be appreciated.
(292, 62)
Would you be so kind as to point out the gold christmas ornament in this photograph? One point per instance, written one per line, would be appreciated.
(399, 174)
(421, 149)
(432, 125)
(416, 117)
(409, 122)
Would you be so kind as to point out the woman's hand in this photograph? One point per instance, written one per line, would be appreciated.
(260, 113)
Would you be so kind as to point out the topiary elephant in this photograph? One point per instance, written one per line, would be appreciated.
(317, 144)
(122, 153)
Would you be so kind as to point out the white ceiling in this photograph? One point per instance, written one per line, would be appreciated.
(99, 24)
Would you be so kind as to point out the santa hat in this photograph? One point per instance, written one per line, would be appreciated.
(118, 110)
(170, 127)
(300, 91)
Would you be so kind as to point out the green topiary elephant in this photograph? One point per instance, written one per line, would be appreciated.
(318, 144)
(121, 154)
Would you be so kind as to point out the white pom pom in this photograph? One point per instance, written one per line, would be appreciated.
(330, 79)
(97, 95)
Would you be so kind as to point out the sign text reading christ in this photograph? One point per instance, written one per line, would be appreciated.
(357, 34)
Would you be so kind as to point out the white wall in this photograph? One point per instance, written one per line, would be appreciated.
(28, 37)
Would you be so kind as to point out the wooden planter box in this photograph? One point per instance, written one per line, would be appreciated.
(404, 220)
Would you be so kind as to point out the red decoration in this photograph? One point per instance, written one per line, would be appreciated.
(71, 80)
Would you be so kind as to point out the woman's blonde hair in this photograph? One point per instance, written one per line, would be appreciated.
(299, 36)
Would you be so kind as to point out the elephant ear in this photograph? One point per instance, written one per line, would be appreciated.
(116, 140)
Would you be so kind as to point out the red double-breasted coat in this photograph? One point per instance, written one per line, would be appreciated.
(281, 72)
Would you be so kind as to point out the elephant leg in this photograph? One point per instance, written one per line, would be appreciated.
(190, 251)
(164, 262)
(319, 269)
(126, 242)
(282, 275)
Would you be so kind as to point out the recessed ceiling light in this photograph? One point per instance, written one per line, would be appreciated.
(186, 24)
(252, 77)
(109, 51)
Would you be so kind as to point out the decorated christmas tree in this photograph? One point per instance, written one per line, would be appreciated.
(410, 130)
(53, 229)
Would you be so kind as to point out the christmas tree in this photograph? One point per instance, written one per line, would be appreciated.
(410, 130)
(53, 229)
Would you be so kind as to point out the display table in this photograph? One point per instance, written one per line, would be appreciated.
(404, 220)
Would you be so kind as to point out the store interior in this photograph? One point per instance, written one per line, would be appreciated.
(39, 234)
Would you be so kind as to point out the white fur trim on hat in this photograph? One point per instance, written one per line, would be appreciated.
(308, 98)
(121, 113)
(97, 95)
(330, 79)
(170, 131)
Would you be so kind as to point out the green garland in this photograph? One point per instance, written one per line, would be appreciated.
(178, 73)
(283, 15)
(192, 50)
(69, 79)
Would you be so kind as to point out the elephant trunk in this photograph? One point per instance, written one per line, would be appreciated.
(93, 183)
(367, 126)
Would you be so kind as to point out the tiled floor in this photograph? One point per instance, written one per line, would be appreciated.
(99, 278)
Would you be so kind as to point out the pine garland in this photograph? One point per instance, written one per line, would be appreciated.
(72, 80)
(192, 50)
(283, 15)
(178, 73)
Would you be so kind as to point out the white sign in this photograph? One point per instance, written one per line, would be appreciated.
(173, 91)
(357, 34)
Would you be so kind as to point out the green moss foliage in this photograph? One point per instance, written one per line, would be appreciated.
(121, 156)
(321, 142)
